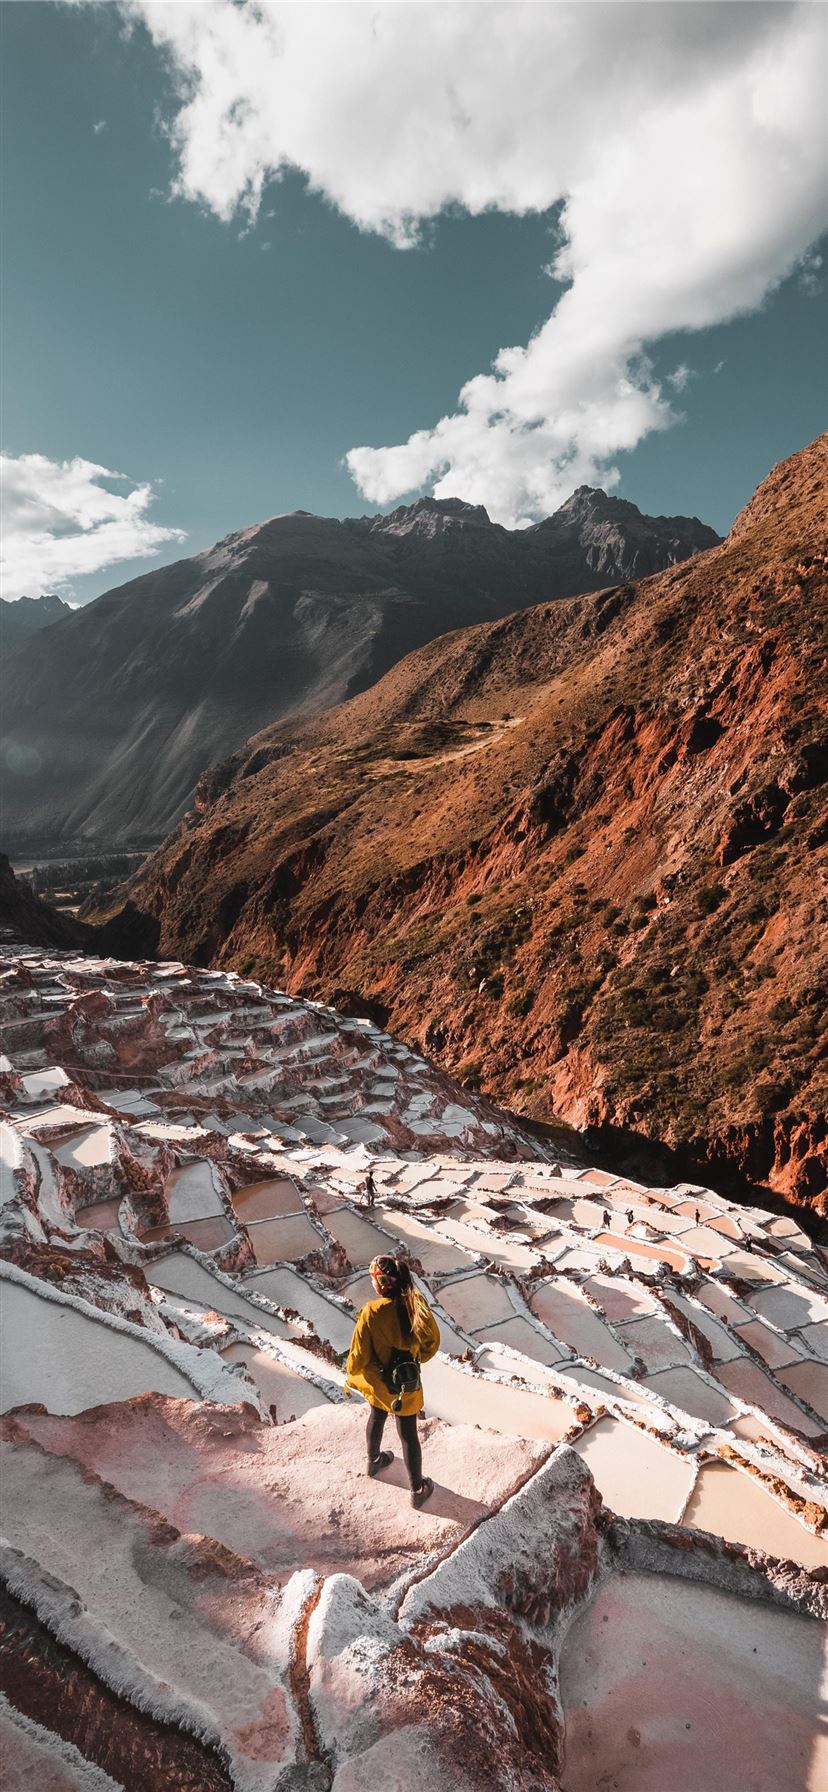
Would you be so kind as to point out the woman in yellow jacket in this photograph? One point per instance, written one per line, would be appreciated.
(393, 1335)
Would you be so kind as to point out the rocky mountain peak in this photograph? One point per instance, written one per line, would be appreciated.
(431, 517)
(26, 616)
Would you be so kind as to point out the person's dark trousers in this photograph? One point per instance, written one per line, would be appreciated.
(408, 1436)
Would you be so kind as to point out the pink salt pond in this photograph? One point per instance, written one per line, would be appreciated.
(771, 1346)
(100, 1216)
(280, 1386)
(634, 1247)
(809, 1381)
(518, 1334)
(184, 1277)
(476, 1301)
(358, 1237)
(619, 1297)
(264, 1200)
(86, 1150)
(756, 1388)
(205, 1234)
(191, 1192)
(733, 1504)
(657, 1345)
(635, 1474)
(672, 1686)
(437, 1256)
(464, 1399)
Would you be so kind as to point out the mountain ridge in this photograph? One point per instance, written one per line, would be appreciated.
(22, 617)
(109, 720)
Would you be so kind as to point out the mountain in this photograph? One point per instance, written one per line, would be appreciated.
(109, 720)
(26, 920)
(26, 616)
(579, 854)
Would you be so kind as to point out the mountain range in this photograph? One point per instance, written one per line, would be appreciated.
(578, 854)
(26, 616)
(110, 714)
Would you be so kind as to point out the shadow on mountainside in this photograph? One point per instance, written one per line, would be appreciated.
(624, 1152)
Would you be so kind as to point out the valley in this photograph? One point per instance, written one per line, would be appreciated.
(577, 855)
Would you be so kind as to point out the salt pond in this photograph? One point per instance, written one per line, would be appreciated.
(735, 1505)
(183, 1275)
(669, 1686)
(280, 1386)
(59, 1355)
(637, 1476)
(568, 1316)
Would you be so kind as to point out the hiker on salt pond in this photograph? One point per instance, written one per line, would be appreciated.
(393, 1335)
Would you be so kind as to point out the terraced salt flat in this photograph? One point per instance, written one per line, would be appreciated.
(192, 1192)
(288, 1289)
(185, 1276)
(757, 1387)
(476, 1300)
(591, 1337)
(99, 1216)
(691, 1393)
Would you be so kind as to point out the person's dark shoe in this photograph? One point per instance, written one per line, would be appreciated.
(423, 1492)
(380, 1461)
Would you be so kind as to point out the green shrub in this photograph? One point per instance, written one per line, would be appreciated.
(711, 898)
(520, 1003)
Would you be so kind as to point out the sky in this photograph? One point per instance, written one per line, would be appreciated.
(263, 258)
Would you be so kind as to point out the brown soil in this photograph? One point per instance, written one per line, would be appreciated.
(578, 855)
(51, 1685)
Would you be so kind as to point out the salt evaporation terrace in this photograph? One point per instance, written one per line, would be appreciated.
(616, 1581)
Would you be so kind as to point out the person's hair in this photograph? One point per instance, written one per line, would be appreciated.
(396, 1282)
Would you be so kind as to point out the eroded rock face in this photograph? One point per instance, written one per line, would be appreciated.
(577, 854)
(630, 1378)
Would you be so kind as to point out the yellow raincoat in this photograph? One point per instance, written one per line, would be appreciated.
(376, 1334)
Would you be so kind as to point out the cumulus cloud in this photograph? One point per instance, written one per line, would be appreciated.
(681, 143)
(60, 520)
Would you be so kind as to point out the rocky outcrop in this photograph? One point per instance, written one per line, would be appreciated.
(26, 920)
(162, 678)
(26, 616)
(577, 854)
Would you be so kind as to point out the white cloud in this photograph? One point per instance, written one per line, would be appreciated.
(810, 274)
(60, 521)
(682, 142)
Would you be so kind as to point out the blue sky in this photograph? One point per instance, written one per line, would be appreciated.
(233, 363)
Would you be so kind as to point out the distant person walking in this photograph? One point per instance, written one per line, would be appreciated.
(393, 1335)
(370, 1189)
